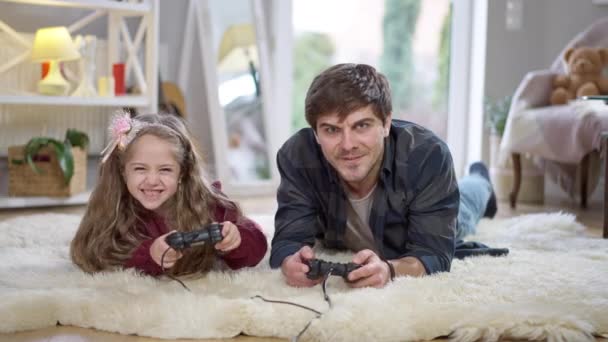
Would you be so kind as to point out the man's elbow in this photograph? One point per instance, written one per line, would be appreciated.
(445, 262)
(436, 263)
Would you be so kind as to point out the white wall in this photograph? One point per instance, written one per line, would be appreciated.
(547, 26)
(172, 24)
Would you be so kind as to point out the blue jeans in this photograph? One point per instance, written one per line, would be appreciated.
(475, 191)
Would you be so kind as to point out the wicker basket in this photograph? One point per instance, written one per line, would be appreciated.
(23, 181)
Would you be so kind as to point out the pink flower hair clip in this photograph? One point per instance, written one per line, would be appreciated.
(122, 131)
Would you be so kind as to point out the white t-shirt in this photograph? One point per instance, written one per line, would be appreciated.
(358, 234)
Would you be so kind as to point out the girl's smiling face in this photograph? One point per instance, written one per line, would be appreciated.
(151, 171)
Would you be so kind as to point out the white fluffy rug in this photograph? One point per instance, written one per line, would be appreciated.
(553, 285)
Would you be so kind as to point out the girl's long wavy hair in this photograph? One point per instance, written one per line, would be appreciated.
(110, 230)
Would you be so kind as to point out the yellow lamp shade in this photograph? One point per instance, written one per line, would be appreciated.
(53, 43)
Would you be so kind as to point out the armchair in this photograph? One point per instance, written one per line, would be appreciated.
(562, 136)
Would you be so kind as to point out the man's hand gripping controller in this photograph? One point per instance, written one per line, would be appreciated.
(319, 268)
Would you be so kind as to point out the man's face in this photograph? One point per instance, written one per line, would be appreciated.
(151, 171)
(354, 146)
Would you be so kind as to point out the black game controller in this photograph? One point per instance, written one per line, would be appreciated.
(182, 240)
(319, 268)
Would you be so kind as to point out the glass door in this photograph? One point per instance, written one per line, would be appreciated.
(238, 84)
(407, 40)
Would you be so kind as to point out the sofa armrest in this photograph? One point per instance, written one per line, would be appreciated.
(533, 91)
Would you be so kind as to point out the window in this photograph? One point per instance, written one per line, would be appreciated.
(407, 40)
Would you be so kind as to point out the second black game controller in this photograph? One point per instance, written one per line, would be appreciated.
(319, 268)
(212, 233)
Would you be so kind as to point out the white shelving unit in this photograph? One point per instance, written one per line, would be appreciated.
(30, 202)
(129, 8)
(119, 38)
(119, 101)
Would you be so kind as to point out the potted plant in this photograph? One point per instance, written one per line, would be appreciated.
(501, 171)
(496, 113)
(49, 167)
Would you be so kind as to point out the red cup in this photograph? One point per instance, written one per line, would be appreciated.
(118, 71)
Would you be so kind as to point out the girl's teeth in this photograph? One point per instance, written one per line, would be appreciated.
(152, 193)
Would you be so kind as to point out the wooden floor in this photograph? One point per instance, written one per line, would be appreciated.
(591, 217)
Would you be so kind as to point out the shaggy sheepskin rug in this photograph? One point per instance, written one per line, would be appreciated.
(553, 285)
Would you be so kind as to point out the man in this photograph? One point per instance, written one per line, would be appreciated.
(358, 180)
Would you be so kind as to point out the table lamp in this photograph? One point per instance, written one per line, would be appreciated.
(55, 45)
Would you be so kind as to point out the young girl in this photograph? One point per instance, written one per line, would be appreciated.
(151, 184)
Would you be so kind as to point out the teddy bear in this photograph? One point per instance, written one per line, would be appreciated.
(584, 77)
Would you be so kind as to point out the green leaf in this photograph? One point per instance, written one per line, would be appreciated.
(497, 113)
(32, 148)
(77, 138)
(65, 158)
(68, 171)
(63, 151)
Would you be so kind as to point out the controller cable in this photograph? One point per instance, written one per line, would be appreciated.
(319, 314)
(162, 266)
(295, 338)
(324, 286)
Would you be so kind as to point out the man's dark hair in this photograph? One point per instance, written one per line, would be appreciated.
(344, 88)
